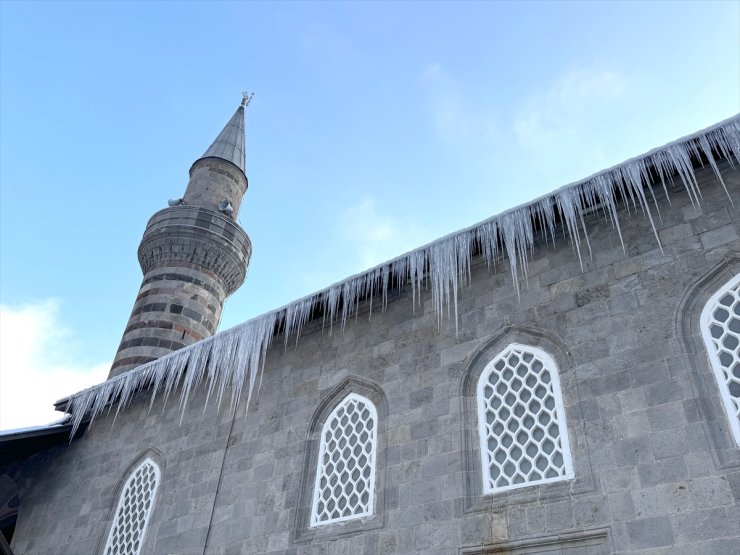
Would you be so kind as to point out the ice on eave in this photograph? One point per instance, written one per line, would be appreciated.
(231, 361)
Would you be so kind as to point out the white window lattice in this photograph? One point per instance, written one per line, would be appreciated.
(720, 327)
(134, 507)
(521, 421)
(345, 475)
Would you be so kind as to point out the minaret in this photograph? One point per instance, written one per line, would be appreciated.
(193, 255)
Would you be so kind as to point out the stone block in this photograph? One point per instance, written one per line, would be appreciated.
(666, 416)
(628, 266)
(621, 506)
(708, 524)
(719, 236)
(650, 532)
(591, 511)
(421, 430)
(710, 491)
(669, 470)
(622, 304)
(439, 511)
(632, 451)
(663, 392)
(476, 529)
(669, 443)
(420, 397)
(437, 535)
(559, 516)
(610, 383)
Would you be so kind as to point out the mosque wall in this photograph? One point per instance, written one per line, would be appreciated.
(655, 466)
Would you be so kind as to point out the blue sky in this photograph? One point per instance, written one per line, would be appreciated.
(375, 127)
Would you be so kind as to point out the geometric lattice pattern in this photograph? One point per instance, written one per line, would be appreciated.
(345, 476)
(132, 515)
(721, 330)
(523, 436)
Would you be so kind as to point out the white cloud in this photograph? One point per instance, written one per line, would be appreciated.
(579, 85)
(376, 237)
(37, 365)
(557, 125)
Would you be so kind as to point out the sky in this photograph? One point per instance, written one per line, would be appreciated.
(375, 128)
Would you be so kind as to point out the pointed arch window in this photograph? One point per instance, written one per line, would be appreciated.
(521, 421)
(720, 328)
(345, 474)
(126, 535)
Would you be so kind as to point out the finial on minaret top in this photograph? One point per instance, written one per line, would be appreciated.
(246, 98)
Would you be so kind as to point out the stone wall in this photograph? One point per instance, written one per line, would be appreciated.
(656, 470)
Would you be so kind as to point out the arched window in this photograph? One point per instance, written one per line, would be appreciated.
(521, 421)
(134, 508)
(720, 328)
(345, 474)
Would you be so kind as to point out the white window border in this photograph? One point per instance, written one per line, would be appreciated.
(373, 458)
(552, 367)
(719, 375)
(119, 506)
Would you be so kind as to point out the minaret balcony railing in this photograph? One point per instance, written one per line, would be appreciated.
(200, 236)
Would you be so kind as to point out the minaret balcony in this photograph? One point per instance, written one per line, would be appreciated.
(199, 236)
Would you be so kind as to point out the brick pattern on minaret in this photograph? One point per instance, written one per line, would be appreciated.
(193, 255)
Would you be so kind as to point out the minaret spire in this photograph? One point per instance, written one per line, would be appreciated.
(193, 255)
(229, 145)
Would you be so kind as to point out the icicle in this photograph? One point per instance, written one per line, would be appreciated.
(236, 357)
(706, 150)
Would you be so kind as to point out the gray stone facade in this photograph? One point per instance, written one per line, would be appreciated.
(656, 469)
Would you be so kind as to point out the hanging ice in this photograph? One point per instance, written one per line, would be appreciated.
(233, 359)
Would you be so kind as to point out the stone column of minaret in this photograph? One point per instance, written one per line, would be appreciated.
(193, 255)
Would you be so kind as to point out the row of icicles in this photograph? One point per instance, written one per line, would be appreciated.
(233, 359)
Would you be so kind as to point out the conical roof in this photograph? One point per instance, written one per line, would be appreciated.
(229, 145)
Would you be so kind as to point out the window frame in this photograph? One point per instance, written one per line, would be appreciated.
(705, 321)
(119, 505)
(551, 367)
(373, 458)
